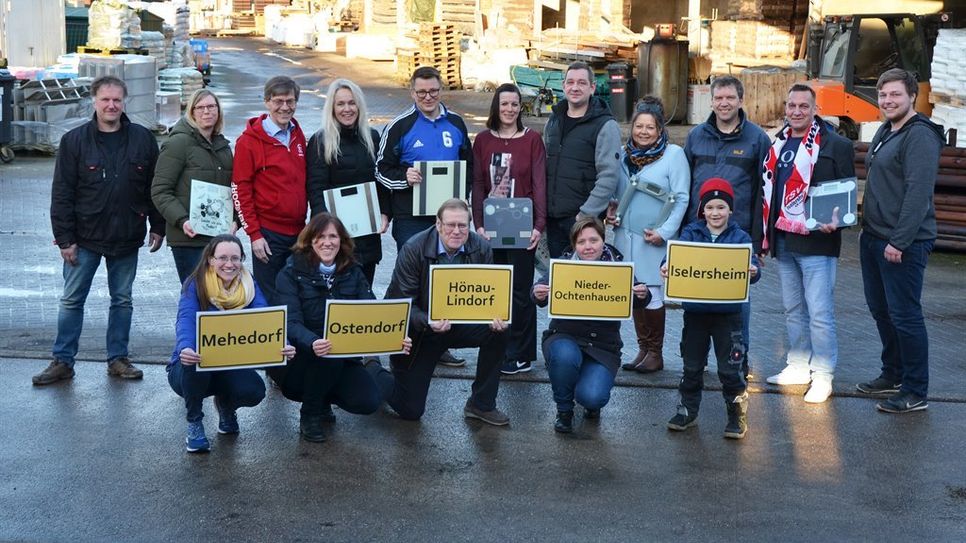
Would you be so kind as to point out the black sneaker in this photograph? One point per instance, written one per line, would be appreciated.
(903, 402)
(56, 371)
(879, 385)
(682, 420)
(447, 359)
(564, 423)
(310, 426)
(511, 367)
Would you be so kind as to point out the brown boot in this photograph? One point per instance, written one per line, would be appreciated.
(641, 331)
(654, 339)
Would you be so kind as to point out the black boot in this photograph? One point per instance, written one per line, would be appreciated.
(737, 417)
(683, 420)
(565, 422)
(310, 426)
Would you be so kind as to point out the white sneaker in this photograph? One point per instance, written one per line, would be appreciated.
(820, 390)
(791, 376)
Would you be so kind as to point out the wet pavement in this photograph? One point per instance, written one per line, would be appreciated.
(96, 459)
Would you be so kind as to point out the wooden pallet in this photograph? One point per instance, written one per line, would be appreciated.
(112, 51)
(936, 97)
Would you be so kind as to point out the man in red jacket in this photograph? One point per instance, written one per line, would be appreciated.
(268, 181)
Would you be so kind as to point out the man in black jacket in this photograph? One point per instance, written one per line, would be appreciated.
(450, 242)
(805, 154)
(100, 198)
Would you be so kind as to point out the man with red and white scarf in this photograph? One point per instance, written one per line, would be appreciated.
(805, 153)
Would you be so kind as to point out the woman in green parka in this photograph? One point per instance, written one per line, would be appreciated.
(196, 149)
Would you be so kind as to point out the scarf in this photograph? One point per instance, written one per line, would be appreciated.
(638, 158)
(791, 210)
(328, 274)
(236, 295)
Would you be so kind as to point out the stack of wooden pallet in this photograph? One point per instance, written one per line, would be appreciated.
(759, 30)
(949, 197)
(439, 47)
(765, 93)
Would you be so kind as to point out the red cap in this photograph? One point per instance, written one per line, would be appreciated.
(715, 188)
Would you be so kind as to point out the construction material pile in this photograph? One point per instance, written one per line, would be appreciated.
(436, 45)
(44, 110)
(757, 31)
(948, 80)
(181, 80)
(113, 24)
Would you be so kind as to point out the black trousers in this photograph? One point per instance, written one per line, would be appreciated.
(321, 382)
(522, 341)
(699, 331)
(558, 235)
(408, 387)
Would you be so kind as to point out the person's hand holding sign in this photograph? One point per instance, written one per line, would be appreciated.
(498, 325)
(407, 345)
(440, 327)
(288, 352)
(321, 347)
(189, 357)
(540, 292)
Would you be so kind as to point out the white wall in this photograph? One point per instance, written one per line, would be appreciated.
(32, 31)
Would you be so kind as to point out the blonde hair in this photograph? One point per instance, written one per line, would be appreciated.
(329, 134)
(189, 112)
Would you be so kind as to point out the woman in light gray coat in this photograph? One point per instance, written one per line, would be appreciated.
(654, 186)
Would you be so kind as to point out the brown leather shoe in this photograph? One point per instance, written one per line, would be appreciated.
(641, 332)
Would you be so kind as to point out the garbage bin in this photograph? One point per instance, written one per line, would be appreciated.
(6, 114)
(623, 90)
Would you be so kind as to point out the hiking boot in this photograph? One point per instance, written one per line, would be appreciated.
(737, 417)
(123, 368)
(791, 376)
(494, 416)
(310, 426)
(56, 371)
(447, 359)
(512, 367)
(682, 420)
(227, 419)
(879, 385)
(196, 441)
(564, 423)
(903, 402)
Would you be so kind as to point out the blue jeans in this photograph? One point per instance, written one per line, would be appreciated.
(808, 294)
(77, 285)
(265, 272)
(576, 376)
(185, 260)
(233, 388)
(893, 293)
(404, 228)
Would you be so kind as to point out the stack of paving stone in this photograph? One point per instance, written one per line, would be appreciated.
(181, 80)
(948, 81)
(438, 45)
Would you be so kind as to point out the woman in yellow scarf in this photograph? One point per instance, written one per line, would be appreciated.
(220, 282)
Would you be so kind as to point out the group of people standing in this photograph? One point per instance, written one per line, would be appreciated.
(728, 184)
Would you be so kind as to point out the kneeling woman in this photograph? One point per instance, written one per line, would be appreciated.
(219, 282)
(321, 268)
(583, 355)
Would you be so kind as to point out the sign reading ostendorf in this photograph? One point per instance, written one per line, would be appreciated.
(241, 338)
(470, 294)
(707, 272)
(366, 327)
(590, 290)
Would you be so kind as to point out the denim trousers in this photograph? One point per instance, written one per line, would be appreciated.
(808, 295)
(893, 293)
(404, 228)
(185, 260)
(575, 376)
(700, 329)
(233, 388)
(121, 271)
(265, 272)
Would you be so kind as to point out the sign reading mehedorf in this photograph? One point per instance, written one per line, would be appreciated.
(241, 338)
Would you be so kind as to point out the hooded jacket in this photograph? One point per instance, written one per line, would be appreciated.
(898, 201)
(583, 166)
(185, 156)
(268, 181)
(100, 200)
(737, 157)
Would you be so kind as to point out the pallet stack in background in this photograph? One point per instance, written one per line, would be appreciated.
(757, 31)
(436, 45)
(948, 81)
(766, 89)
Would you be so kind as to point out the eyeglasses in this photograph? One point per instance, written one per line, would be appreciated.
(278, 102)
(210, 107)
(432, 93)
(226, 259)
(451, 226)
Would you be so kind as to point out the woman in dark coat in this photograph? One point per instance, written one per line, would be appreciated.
(321, 268)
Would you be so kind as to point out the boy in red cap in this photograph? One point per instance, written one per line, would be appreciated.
(704, 322)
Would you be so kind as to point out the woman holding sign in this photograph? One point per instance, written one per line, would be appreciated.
(322, 268)
(219, 282)
(510, 162)
(343, 153)
(198, 151)
(583, 355)
(653, 198)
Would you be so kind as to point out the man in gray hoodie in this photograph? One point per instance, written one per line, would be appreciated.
(583, 156)
(898, 233)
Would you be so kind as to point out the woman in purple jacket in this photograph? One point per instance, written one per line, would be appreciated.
(219, 282)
